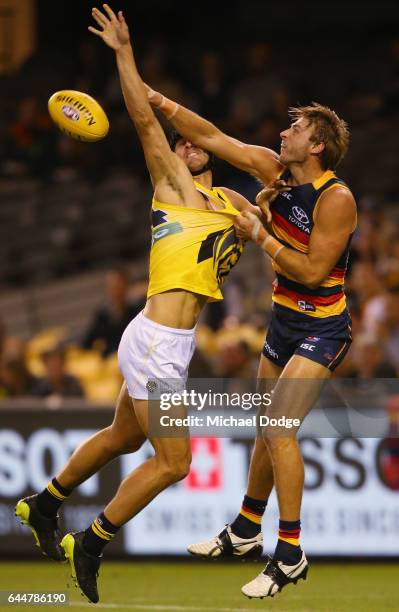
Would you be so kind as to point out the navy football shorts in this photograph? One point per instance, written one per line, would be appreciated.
(325, 341)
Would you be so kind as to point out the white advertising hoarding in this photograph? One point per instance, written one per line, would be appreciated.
(347, 509)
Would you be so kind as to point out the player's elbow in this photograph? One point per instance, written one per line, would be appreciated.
(143, 119)
(314, 279)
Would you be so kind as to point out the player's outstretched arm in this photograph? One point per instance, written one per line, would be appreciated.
(258, 161)
(162, 163)
(335, 220)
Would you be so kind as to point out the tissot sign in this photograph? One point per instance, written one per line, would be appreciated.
(350, 504)
(348, 507)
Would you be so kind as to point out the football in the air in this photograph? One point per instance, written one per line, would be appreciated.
(78, 115)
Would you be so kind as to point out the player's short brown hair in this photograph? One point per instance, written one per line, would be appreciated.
(329, 129)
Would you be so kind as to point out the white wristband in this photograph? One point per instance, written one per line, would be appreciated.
(266, 240)
(256, 225)
(173, 113)
(278, 251)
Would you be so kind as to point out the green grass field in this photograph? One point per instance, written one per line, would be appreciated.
(208, 587)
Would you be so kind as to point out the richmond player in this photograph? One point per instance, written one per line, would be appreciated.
(194, 246)
(313, 217)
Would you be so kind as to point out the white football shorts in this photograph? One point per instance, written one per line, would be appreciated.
(149, 352)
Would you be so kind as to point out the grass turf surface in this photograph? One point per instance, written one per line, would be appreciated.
(208, 587)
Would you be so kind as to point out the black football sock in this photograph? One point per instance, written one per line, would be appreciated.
(100, 533)
(288, 549)
(51, 498)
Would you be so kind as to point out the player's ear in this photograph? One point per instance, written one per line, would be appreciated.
(317, 148)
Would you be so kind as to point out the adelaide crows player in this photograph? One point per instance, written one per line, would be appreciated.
(308, 238)
(194, 246)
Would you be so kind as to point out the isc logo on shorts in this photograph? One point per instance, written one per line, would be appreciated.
(308, 347)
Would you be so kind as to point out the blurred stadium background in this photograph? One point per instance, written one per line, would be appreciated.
(74, 243)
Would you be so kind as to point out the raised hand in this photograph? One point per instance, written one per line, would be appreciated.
(268, 195)
(114, 30)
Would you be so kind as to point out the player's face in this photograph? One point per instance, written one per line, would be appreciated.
(194, 157)
(296, 143)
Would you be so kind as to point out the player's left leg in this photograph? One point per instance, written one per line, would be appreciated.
(170, 463)
(40, 511)
(243, 538)
(295, 393)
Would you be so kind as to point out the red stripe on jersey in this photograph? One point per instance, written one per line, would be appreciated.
(293, 231)
(337, 273)
(312, 299)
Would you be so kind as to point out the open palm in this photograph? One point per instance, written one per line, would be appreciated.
(114, 32)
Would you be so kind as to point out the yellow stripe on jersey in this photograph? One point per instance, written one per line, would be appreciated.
(321, 311)
(283, 235)
(329, 282)
(323, 179)
(333, 186)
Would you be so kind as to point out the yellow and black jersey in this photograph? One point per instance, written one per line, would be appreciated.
(192, 248)
(292, 223)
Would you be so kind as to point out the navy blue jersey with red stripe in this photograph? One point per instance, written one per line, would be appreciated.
(292, 223)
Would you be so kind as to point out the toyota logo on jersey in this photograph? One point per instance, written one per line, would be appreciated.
(300, 215)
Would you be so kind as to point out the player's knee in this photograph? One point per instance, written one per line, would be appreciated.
(277, 444)
(176, 468)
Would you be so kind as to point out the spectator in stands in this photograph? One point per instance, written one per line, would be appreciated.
(15, 378)
(212, 87)
(388, 330)
(30, 139)
(109, 322)
(57, 382)
(2, 336)
(369, 360)
(262, 89)
(391, 89)
(234, 359)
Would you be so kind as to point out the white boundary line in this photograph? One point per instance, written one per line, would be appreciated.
(161, 608)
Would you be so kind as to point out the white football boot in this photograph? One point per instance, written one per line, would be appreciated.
(274, 577)
(227, 544)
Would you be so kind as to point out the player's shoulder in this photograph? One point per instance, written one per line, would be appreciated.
(337, 205)
(239, 201)
(340, 193)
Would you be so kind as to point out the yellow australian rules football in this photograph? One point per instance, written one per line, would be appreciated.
(78, 115)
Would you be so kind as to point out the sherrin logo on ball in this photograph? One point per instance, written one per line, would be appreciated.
(78, 115)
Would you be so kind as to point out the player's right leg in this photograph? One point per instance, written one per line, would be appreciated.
(40, 511)
(243, 537)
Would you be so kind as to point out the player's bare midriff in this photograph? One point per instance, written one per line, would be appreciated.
(176, 308)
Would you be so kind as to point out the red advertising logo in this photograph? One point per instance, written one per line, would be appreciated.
(206, 467)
